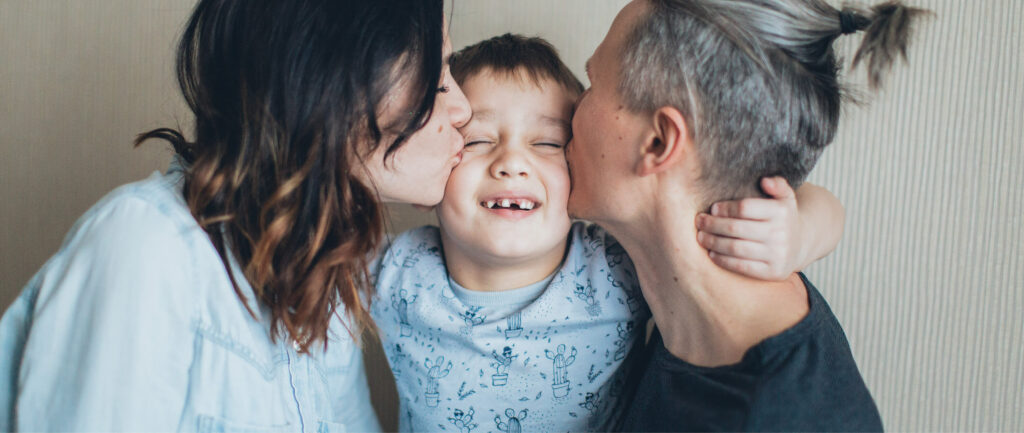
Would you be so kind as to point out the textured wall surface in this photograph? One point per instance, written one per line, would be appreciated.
(928, 280)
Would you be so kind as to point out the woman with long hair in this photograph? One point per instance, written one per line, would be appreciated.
(229, 293)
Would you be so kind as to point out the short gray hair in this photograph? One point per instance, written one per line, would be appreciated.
(756, 80)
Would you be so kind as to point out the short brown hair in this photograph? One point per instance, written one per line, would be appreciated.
(514, 55)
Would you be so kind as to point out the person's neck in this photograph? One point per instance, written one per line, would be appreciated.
(707, 316)
(484, 273)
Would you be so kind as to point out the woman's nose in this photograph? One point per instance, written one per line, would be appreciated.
(458, 106)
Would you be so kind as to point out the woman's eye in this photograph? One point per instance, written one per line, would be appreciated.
(443, 89)
(472, 142)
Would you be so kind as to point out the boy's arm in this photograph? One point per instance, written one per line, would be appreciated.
(771, 238)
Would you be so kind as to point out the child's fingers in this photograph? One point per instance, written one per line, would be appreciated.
(733, 228)
(750, 268)
(739, 248)
(777, 187)
(748, 208)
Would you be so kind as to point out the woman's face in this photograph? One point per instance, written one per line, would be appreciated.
(417, 172)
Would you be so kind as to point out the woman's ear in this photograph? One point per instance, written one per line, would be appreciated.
(668, 143)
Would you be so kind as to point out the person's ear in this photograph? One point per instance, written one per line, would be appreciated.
(668, 143)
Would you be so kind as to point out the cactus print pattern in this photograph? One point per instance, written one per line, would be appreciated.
(548, 357)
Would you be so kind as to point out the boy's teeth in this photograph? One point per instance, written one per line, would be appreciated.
(507, 203)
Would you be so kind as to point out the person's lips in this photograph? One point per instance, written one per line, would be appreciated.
(511, 204)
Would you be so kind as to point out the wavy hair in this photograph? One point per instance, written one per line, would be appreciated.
(286, 97)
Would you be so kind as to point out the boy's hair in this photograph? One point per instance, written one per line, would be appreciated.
(756, 80)
(516, 56)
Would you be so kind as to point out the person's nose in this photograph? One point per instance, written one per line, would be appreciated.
(458, 106)
(510, 163)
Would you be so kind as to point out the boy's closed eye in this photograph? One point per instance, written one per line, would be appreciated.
(550, 144)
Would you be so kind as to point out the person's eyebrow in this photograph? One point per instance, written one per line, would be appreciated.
(483, 115)
(555, 121)
(489, 115)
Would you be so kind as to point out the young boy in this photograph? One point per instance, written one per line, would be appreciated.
(509, 317)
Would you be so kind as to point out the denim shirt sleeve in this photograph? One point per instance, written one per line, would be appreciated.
(106, 327)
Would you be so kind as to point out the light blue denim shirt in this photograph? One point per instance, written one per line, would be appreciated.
(134, 325)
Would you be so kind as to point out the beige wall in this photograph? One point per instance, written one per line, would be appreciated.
(928, 281)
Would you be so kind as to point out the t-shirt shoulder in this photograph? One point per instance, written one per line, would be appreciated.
(804, 378)
(768, 351)
(599, 250)
(819, 320)
(403, 253)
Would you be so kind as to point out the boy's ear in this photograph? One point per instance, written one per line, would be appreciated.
(668, 143)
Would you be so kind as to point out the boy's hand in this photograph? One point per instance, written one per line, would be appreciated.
(756, 237)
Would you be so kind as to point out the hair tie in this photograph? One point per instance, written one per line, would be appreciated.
(848, 22)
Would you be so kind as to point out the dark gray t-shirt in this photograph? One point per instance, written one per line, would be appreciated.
(804, 379)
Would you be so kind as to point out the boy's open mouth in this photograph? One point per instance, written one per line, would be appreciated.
(511, 204)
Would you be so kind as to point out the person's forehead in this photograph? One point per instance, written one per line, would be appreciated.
(489, 95)
(611, 47)
(494, 116)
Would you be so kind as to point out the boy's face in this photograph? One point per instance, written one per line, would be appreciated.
(506, 201)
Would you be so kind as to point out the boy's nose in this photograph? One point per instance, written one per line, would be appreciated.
(510, 165)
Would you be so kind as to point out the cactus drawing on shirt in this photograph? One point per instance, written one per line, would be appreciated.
(471, 319)
(591, 401)
(415, 255)
(435, 371)
(594, 244)
(514, 422)
(560, 363)
(503, 361)
(401, 303)
(463, 420)
(397, 356)
(632, 291)
(586, 294)
(622, 343)
(515, 325)
(615, 254)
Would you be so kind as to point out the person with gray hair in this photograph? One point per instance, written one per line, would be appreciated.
(698, 101)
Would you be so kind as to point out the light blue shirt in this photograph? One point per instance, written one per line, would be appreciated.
(134, 326)
(551, 356)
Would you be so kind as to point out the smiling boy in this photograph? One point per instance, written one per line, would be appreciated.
(509, 316)
(496, 319)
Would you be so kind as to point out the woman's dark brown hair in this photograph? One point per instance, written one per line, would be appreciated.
(286, 96)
